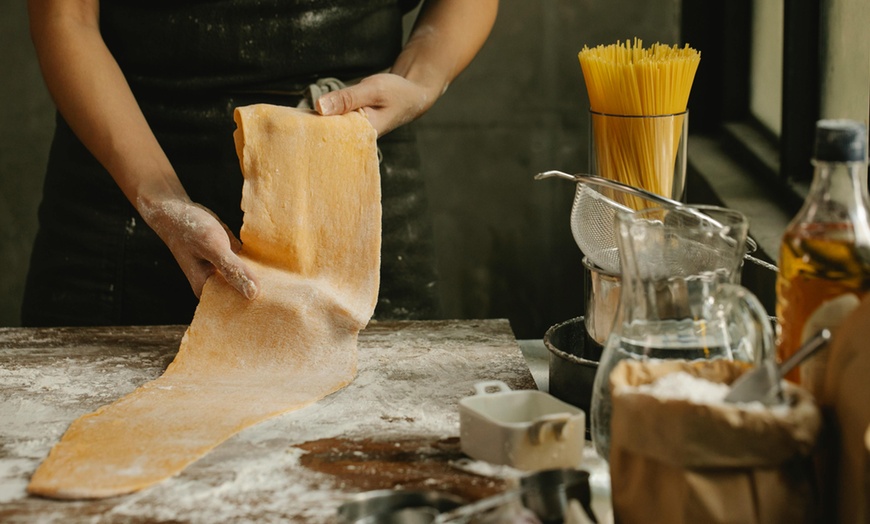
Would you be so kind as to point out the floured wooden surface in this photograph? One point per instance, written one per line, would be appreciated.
(396, 425)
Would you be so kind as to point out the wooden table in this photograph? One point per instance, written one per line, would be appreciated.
(395, 426)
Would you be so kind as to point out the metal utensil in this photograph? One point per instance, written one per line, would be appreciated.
(593, 214)
(466, 512)
(546, 493)
(389, 506)
(763, 383)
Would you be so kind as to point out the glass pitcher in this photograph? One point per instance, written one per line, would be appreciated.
(680, 297)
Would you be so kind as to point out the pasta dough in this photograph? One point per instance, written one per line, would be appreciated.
(312, 234)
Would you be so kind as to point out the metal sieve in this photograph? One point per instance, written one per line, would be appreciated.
(599, 200)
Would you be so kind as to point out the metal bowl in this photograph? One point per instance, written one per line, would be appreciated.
(389, 506)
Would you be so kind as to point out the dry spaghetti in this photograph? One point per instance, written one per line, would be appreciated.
(626, 81)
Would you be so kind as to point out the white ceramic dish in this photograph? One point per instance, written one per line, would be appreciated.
(525, 429)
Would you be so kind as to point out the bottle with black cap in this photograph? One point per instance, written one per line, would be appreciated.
(825, 252)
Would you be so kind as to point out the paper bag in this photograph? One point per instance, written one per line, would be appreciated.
(674, 461)
(846, 405)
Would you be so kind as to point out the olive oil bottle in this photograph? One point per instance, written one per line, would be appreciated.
(825, 252)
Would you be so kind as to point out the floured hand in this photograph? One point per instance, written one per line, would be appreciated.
(200, 243)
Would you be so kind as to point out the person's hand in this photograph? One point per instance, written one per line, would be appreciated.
(388, 100)
(200, 243)
(445, 37)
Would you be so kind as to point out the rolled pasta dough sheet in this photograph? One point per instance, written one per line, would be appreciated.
(312, 233)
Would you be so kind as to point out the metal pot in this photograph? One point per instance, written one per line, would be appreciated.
(602, 289)
(574, 357)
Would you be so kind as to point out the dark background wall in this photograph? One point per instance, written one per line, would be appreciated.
(26, 125)
(504, 244)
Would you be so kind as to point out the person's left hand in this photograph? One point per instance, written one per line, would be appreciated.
(388, 100)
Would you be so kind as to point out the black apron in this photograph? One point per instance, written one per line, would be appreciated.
(189, 64)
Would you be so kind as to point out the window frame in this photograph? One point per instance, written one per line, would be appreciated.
(721, 94)
(733, 159)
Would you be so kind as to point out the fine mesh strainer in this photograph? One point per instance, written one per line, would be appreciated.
(593, 217)
(599, 200)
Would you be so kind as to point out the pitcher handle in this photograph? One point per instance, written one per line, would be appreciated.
(748, 311)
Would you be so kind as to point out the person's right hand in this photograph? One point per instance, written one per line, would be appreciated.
(200, 243)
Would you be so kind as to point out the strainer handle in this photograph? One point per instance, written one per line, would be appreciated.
(585, 178)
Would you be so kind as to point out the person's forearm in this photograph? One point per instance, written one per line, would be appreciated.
(93, 96)
(91, 93)
(446, 37)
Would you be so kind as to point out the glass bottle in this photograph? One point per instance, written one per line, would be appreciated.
(825, 251)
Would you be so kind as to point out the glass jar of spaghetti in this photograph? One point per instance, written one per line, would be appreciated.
(825, 251)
